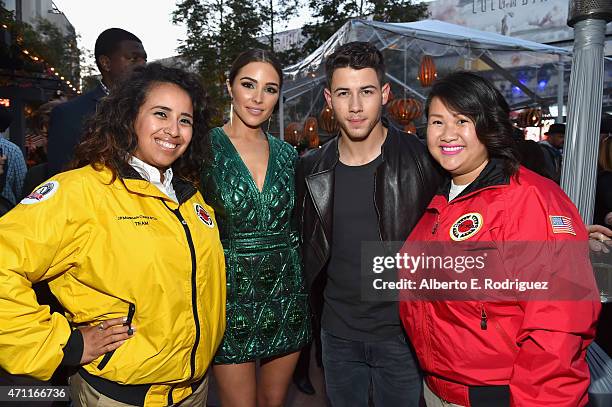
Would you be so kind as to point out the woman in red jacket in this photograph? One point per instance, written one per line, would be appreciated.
(497, 343)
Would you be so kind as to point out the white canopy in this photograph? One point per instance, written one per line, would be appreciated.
(432, 31)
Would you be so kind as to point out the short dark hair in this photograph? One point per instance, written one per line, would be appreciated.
(475, 97)
(556, 128)
(108, 42)
(255, 55)
(110, 136)
(355, 55)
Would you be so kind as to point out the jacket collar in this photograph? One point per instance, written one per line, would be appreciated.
(183, 188)
(491, 176)
(97, 93)
(320, 182)
(330, 155)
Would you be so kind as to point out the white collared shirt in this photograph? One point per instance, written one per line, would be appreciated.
(152, 175)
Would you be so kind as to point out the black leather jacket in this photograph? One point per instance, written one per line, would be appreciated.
(404, 184)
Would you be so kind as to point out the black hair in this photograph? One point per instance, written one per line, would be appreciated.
(255, 55)
(356, 55)
(108, 42)
(475, 97)
(110, 137)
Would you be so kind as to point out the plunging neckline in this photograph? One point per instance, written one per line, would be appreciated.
(237, 153)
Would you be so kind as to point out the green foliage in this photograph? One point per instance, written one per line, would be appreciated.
(330, 15)
(398, 11)
(89, 83)
(61, 51)
(274, 13)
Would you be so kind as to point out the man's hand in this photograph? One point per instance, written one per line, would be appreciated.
(104, 337)
(600, 238)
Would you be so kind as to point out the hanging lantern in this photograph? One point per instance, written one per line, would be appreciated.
(427, 71)
(410, 128)
(311, 132)
(293, 134)
(327, 121)
(530, 118)
(404, 111)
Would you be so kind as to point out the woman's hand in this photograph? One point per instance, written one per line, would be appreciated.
(104, 337)
(600, 238)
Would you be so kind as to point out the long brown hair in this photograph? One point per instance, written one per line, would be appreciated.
(110, 137)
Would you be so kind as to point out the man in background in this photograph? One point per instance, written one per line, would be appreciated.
(117, 53)
(12, 165)
(553, 149)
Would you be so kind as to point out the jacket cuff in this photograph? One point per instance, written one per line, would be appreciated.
(73, 351)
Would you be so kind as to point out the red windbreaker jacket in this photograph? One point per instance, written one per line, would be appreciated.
(537, 347)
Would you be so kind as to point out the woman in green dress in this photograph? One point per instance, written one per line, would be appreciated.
(251, 186)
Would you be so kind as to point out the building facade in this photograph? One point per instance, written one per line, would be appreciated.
(543, 21)
(29, 11)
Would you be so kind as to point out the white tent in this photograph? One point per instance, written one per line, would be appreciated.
(527, 73)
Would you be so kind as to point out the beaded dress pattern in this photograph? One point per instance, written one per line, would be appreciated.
(267, 305)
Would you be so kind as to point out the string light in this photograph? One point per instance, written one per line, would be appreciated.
(52, 69)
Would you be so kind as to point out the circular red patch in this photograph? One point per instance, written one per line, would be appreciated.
(203, 215)
(466, 225)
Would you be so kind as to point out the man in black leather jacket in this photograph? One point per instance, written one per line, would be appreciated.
(371, 183)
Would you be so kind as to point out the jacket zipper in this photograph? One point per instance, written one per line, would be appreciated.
(436, 224)
(194, 298)
(483, 318)
(128, 322)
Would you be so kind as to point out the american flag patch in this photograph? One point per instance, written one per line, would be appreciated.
(562, 224)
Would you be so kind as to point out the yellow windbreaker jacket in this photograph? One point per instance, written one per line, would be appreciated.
(105, 249)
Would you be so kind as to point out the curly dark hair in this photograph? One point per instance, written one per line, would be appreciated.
(356, 55)
(110, 137)
(475, 97)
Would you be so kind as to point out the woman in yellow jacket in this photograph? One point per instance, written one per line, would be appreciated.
(129, 248)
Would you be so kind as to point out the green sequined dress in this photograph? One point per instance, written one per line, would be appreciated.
(267, 305)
